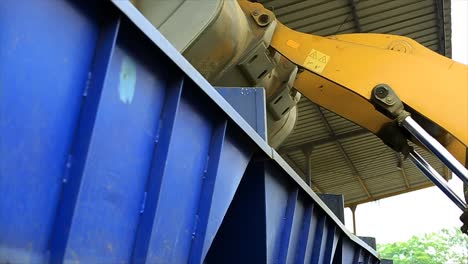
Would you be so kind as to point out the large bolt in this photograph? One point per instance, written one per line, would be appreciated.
(381, 92)
(264, 18)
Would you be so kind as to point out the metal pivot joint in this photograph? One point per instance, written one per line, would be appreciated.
(386, 101)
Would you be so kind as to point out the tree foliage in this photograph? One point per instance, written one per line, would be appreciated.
(445, 246)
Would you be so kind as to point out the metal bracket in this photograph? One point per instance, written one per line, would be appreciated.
(285, 99)
(257, 64)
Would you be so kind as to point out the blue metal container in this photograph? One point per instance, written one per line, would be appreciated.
(113, 149)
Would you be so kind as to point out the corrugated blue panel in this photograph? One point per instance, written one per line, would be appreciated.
(348, 250)
(243, 235)
(285, 217)
(111, 154)
(111, 151)
(44, 70)
(305, 233)
(250, 103)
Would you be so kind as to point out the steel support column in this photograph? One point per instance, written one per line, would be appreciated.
(302, 173)
(308, 168)
(402, 169)
(353, 211)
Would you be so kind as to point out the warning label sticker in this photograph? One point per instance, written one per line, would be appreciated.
(316, 61)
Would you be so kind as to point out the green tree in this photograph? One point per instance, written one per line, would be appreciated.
(445, 246)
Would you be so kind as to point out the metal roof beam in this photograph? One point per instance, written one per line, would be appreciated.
(357, 22)
(439, 6)
(378, 197)
(343, 152)
(311, 144)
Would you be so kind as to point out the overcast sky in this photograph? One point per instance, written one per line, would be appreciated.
(400, 217)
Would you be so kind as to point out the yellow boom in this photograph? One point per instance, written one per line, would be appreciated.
(341, 71)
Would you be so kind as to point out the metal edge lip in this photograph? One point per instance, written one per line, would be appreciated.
(154, 35)
(166, 47)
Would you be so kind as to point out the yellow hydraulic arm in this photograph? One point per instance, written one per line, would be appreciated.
(341, 72)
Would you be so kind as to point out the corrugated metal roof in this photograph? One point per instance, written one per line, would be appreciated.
(342, 157)
(418, 19)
